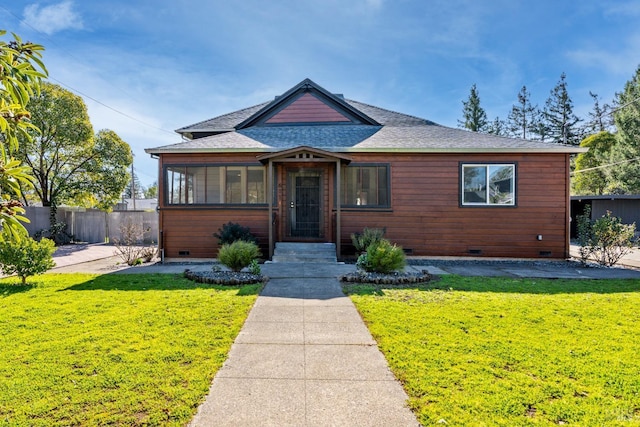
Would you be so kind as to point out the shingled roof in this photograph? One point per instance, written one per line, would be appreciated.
(370, 129)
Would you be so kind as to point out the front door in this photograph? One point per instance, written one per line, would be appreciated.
(304, 196)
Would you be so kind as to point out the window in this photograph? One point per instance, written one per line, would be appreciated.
(188, 185)
(365, 186)
(488, 184)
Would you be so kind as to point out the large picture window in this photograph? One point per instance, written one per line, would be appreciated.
(488, 184)
(207, 185)
(366, 185)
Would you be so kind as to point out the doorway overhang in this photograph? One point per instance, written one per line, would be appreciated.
(303, 154)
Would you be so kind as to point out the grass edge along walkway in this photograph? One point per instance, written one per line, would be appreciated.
(498, 351)
(82, 349)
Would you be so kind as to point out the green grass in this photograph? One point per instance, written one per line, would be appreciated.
(506, 352)
(78, 349)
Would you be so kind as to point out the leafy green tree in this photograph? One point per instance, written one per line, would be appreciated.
(626, 153)
(474, 116)
(151, 192)
(69, 162)
(561, 123)
(591, 174)
(21, 70)
(26, 257)
(523, 115)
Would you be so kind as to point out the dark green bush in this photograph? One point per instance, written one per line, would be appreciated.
(26, 257)
(233, 232)
(238, 255)
(361, 241)
(382, 257)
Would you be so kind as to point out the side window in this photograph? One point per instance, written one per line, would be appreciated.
(488, 184)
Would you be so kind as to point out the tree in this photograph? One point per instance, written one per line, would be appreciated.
(151, 192)
(600, 119)
(70, 163)
(497, 127)
(561, 123)
(21, 70)
(26, 257)
(591, 176)
(137, 187)
(474, 116)
(626, 153)
(523, 115)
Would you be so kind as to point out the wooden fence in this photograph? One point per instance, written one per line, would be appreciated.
(92, 225)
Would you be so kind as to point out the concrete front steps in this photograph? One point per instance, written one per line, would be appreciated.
(305, 252)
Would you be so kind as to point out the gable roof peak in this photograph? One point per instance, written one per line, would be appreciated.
(334, 107)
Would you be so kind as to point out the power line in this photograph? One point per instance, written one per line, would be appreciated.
(109, 107)
(22, 21)
(604, 166)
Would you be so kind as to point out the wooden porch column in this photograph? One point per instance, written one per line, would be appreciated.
(270, 198)
(338, 203)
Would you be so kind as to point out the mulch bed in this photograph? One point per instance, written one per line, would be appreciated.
(386, 279)
(227, 278)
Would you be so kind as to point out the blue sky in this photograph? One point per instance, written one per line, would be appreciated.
(166, 64)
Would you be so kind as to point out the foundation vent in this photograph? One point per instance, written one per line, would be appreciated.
(183, 253)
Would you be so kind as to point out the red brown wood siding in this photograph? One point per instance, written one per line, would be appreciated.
(425, 216)
(307, 109)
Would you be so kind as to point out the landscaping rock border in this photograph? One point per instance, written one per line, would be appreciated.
(226, 278)
(386, 279)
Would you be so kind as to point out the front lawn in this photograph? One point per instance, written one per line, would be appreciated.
(79, 349)
(507, 352)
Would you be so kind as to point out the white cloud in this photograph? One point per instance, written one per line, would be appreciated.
(54, 18)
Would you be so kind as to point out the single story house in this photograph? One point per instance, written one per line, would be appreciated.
(313, 166)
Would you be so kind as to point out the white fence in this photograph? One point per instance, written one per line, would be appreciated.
(92, 225)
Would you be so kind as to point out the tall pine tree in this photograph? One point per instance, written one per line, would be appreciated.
(523, 116)
(561, 124)
(626, 152)
(474, 116)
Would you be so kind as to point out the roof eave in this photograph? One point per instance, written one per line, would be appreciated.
(569, 150)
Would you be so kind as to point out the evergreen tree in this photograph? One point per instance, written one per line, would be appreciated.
(561, 123)
(523, 115)
(139, 190)
(627, 149)
(600, 119)
(497, 127)
(474, 116)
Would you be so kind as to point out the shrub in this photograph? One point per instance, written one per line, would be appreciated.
(26, 257)
(130, 245)
(238, 255)
(606, 239)
(382, 257)
(361, 241)
(233, 232)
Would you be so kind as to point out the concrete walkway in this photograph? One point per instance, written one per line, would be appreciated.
(304, 358)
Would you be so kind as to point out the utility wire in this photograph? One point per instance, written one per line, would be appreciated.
(22, 21)
(604, 166)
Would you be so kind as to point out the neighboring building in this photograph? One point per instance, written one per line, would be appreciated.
(624, 206)
(137, 205)
(313, 166)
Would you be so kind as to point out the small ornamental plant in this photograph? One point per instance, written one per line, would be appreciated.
(232, 232)
(382, 257)
(361, 241)
(238, 255)
(26, 257)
